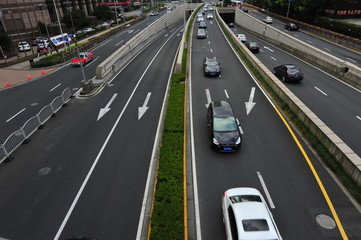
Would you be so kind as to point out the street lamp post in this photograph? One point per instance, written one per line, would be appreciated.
(288, 9)
(76, 42)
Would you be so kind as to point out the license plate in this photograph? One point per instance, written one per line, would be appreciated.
(227, 148)
(212, 73)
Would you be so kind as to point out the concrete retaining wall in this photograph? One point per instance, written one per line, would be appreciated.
(349, 160)
(343, 70)
(109, 67)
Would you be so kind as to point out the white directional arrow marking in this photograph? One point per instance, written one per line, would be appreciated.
(144, 108)
(250, 104)
(103, 111)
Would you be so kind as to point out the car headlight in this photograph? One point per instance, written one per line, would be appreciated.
(238, 141)
(215, 141)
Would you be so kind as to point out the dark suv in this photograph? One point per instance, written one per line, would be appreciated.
(224, 134)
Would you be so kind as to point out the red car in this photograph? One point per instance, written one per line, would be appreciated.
(84, 58)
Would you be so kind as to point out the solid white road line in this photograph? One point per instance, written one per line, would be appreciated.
(119, 43)
(55, 87)
(265, 190)
(274, 59)
(327, 49)
(359, 118)
(16, 115)
(320, 91)
(351, 60)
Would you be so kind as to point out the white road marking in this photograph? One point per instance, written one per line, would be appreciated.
(225, 92)
(268, 48)
(130, 31)
(261, 50)
(351, 60)
(119, 43)
(16, 115)
(266, 190)
(309, 41)
(209, 99)
(296, 35)
(55, 87)
(327, 49)
(359, 118)
(209, 42)
(239, 127)
(211, 50)
(91, 62)
(320, 91)
(274, 58)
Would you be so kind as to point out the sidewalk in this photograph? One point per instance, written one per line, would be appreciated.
(21, 73)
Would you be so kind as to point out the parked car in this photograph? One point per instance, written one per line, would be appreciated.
(291, 26)
(79, 32)
(224, 133)
(242, 37)
(84, 58)
(209, 16)
(154, 13)
(288, 72)
(201, 34)
(247, 216)
(23, 46)
(86, 30)
(202, 25)
(268, 20)
(252, 46)
(43, 43)
(211, 67)
(231, 25)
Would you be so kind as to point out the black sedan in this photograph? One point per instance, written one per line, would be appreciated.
(224, 134)
(288, 72)
(252, 46)
(291, 26)
(211, 67)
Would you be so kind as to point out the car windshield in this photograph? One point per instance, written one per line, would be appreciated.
(82, 56)
(211, 62)
(224, 124)
(292, 68)
(253, 44)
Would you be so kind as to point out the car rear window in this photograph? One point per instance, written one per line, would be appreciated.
(253, 225)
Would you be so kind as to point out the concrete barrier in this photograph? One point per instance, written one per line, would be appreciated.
(343, 70)
(348, 159)
(109, 67)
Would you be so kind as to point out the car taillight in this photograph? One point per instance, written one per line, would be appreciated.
(224, 194)
(290, 75)
(302, 75)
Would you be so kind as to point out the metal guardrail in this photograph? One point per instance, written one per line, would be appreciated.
(23, 134)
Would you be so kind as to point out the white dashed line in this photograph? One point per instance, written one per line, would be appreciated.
(327, 49)
(320, 91)
(16, 115)
(55, 87)
(225, 92)
(265, 190)
(359, 118)
(274, 59)
(351, 60)
(211, 50)
(309, 41)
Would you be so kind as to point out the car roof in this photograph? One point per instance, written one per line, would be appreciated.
(222, 108)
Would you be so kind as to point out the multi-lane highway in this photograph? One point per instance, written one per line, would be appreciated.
(270, 159)
(336, 50)
(334, 102)
(85, 176)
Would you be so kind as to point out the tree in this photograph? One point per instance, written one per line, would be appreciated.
(5, 42)
(79, 19)
(103, 12)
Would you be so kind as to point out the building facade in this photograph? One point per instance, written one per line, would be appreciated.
(342, 9)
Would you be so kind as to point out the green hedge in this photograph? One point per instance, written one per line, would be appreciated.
(343, 27)
(167, 215)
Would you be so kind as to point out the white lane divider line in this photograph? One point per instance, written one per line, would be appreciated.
(209, 42)
(274, 59)
(352, 60)
(327, 49)
(225, 92)
(119, 43)
(309, 41)
(16, 115)
(209, 99)
(359, 118)
(265, 190)
(320, 91)
(55, 87)
(211, 50)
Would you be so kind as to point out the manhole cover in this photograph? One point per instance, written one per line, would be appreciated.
(44, 171)
(325, 221)
(34, 104)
